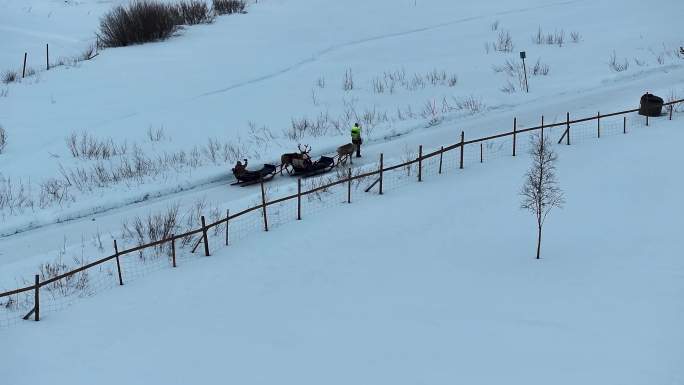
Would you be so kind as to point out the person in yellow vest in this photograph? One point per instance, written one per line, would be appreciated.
(356, 138)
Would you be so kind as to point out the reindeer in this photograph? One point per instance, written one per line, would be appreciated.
(345, 152)
(291, 159)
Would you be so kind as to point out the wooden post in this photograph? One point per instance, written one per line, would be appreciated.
(227, 223)
(671, 108)
(47, 56)
(567, 120)
(204, 235)
(515, 129)
(598, 124)
(349, 181)
(36, 300)
(624, 124)
(462, 144)
(173, 250)
(382, 168)
(481, 155)
(118, 262)
(23, 71)
(263, 206)
(441, 153)
(299, 198)
(420, 163)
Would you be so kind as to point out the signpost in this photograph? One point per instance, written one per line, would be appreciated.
(523, 55)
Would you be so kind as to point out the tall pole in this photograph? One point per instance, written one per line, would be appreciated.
(523, 55)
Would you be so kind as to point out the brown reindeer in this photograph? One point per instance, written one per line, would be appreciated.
(345, 152)
(293, 158)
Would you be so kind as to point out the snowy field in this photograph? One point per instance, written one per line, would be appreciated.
(406, 294)
(432, 283)
(192, 105)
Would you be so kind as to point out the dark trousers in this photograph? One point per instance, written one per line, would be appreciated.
(357, 143)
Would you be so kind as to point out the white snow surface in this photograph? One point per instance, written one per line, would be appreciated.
(433, 283)
(263, 67)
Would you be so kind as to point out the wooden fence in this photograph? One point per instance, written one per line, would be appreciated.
(263, 206)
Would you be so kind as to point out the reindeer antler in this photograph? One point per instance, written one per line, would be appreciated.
(306, 149)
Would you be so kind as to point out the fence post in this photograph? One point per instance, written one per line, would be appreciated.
(299, 199)
(441, 153)
(462, 143)
(173, 250)
(118, 263)
(481, 155)
(515, 129)
(624, 124)
(382, 167)
(206, 238)
(36, 300)
(671, 108)
(349, 181)
(23, 71)
(47, 57)
(420, 163)
(567, 119)
(598, 124)
(263, 206)
(227, 222)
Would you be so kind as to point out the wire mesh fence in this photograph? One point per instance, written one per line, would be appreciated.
(313, 195)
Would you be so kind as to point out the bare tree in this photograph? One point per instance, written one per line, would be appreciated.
(541, 192)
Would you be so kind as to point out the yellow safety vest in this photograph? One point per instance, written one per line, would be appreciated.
(356, 132)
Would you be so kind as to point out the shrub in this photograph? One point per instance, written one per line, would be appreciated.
(617, 66)
(3, 139)
(556, 38)
(9, 76)
(348, 82)
(88, 53)
(540, 69)
(86, 146)
(576, 37)
(194, 12)
(226, 7)
(72, 284)
(504, 42)
(140, 22)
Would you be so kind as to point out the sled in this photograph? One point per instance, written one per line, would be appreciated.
(323, 165)
(253, 177)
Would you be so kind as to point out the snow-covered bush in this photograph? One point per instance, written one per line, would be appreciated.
(139, 22)
(504, 42)
(3, 139)
(86, 146)
(576, 37)
(9, 76)
(540, 69)
(194, 12)
(555, 38)
(616, 65)
(226, 7)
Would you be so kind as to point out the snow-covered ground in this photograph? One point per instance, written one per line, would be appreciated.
(239, 85)
(287, 60)
(242, 80)
(432, 283)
